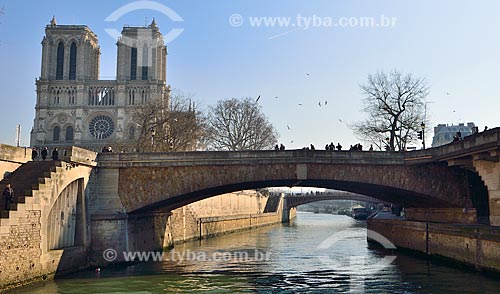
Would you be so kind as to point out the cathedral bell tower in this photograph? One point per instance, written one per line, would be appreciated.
(75, 108)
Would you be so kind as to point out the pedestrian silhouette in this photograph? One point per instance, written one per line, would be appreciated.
(45, 152)
(34, 154)
(8, 196)
(55, 154)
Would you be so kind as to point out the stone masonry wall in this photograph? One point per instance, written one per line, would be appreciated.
(25, 254)
(20, 249)
(477, 246)
(11, 158)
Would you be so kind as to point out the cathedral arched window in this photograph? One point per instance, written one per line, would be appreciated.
(72, 61)
(55, 134)
(133, 63)
(69, 134)
(145, 63)
(132, 133)
(60, 61)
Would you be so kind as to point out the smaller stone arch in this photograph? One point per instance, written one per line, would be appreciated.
(64, 218)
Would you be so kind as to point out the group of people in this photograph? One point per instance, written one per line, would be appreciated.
(331, 147)
(281, 147)
(358, 147)
(44, 153)
(106, 149)
(457, 136)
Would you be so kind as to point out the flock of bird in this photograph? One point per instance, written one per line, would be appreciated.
(321, 103)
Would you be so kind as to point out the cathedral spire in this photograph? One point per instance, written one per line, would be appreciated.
(53, 21)
(153, 24)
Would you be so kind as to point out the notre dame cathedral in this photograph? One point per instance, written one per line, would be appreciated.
(74, 107)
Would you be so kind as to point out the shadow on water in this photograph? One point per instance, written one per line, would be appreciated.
(294, 264)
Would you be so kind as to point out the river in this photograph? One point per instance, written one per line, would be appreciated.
(316, 253)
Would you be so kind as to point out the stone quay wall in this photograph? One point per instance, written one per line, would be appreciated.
(156, 231)
(476, 246)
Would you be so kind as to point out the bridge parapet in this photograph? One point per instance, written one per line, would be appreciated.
(487, 142)
(117, 160)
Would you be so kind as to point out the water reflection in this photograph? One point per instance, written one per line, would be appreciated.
(293, 266)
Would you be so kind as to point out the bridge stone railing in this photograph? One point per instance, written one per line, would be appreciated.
(117, 160)
(474, 144)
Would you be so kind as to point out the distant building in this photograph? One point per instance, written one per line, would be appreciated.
(443, 133)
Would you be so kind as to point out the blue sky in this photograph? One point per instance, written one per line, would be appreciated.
(454, 44)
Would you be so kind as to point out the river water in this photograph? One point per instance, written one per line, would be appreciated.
(316, 253)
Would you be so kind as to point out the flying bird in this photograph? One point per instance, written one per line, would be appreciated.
(448, 94)
(326, 102)
(319, 103)
(307, 74)
(257, 99)
(288, 127)
(340, 120)
(291, 142)
(276, 97)
(300, 104)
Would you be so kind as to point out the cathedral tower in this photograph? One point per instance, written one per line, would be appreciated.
(74, 107)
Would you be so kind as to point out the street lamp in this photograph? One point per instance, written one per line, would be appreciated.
(153, 134)
(422, 125)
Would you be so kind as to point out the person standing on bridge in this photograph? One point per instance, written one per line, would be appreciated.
(8, 196)
(55, 154)
(34, 154)
(44, 153)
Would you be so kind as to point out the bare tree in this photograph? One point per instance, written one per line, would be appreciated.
(162, 128)
(395, 104)
(239, 124)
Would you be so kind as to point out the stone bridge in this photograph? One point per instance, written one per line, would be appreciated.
(292, 200)
(464, 174)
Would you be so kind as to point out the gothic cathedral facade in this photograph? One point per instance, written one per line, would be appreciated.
(75, 108)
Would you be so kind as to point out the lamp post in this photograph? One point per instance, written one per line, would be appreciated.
(422, 125)
(153, 134)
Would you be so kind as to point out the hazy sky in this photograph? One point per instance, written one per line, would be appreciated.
(454, 44)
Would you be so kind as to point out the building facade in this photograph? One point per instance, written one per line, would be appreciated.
(443, 133)
(74, 107)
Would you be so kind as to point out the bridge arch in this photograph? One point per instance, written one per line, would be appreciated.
(165, 181)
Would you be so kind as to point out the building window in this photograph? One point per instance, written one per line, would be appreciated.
(69, 134)
(101, 127)
(55, 134)
(72, 61)
(60, 61)
(133, 64)
(145, 63)
(132, 133)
